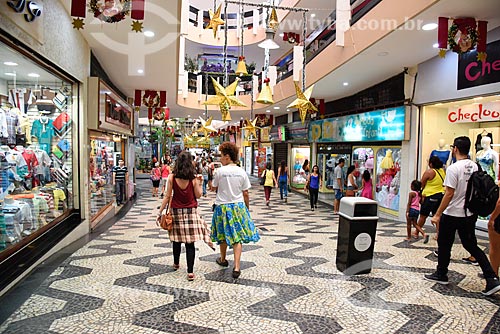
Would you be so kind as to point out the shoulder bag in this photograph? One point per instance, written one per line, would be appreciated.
(263, 179)
(166, 220)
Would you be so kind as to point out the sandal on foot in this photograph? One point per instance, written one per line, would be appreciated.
(236, 273)
(222, 263)
(190, 277)
(426, 239)
(176, 266)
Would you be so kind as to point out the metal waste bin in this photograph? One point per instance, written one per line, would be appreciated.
(356, 236)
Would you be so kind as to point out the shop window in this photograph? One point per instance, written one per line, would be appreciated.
(36, 148)
(388, 178)
(299, 175)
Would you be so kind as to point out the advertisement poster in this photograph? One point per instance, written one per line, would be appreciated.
(261, 159)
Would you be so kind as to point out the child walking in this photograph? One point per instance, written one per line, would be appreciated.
(413, 210)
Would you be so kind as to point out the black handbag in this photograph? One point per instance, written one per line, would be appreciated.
(263, 179)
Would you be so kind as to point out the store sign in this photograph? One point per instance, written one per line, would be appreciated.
(27, 15)
(472, 73)
(380, 125)
(282, 133)
(117, 114)
(30, 9)
(481, 112)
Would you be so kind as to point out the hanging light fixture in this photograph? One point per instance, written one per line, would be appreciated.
(241, 69)
(266, 95)
(269, 42)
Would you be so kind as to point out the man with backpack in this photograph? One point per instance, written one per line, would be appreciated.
(452, 215)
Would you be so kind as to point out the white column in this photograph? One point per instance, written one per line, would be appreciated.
(200, 22)
(255, 21)
(298, 60)
(272, 74)
(199, 89)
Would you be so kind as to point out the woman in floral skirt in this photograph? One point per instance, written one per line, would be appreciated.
(231, 223)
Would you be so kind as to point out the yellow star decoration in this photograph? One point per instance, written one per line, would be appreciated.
(442, 53)
(206, 127)
(224, 98)
(481, 56)
(302, 101)
(251, 127)
(215, 20)
(78, 23)
(137, 26)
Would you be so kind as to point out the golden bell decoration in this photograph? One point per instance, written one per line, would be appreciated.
(266, 95)
(241, 69)
(273, 19)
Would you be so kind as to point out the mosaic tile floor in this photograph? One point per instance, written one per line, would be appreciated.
(122, 282)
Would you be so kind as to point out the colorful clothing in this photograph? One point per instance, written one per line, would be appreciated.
(188, 226)
(367, 191)
(42, 129)
(231, 223)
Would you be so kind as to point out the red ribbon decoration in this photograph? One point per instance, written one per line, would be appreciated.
(137, 12)
(167, 113)
(137, 99)
(482, 33)
(465, 23)
(322, 107)
(285, 37)
(297, 38)
(78, 8)
(163, 100)
(443, 33)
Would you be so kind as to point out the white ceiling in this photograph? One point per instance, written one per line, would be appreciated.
(121, 52)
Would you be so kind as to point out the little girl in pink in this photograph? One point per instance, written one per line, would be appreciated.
(413, 210)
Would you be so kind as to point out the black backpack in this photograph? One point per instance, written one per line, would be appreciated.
(482, 193)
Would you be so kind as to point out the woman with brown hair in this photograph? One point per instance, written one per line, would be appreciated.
(283, 180)
(231, 222)
(184, 188)
(351, 182)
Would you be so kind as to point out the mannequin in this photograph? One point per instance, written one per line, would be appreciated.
(487, 158)
(442, 153)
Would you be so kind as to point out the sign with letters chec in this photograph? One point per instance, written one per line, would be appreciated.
(26, 14)
(477, 112)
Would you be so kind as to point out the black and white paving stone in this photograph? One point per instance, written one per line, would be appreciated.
(123, 282)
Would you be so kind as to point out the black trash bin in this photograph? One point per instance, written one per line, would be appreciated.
(356, 236)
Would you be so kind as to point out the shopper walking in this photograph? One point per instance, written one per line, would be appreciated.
(204, 173)
(413, 209)
(313, 184)
(283, 180)
(155, 178)
(432, 191)
(165, 172)
(270, 182)
(231, 223)
(338, 184)
(452, 217)
(366, 185)
(188, 227)
(305, 167)
(494, 237)
(352, 186)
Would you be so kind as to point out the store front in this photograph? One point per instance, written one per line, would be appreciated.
(111, 128)
(40, 156)
(370, 141)
(475, 114)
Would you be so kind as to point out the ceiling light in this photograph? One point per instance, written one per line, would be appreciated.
(276, 108)
(10, 74)
(435, 45)
(287, 109)
(149, 33)
(268, 110)
(189, 116)
(140, 71)
(282, 34)
(34, 75)
(429, 26)
(269, 43)
(313, 15)
(346, 84)
(10, 63)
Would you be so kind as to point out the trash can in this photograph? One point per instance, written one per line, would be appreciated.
(356, 236)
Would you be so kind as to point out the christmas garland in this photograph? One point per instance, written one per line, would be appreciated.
(96, 9)
(452, 33)
(151, 102)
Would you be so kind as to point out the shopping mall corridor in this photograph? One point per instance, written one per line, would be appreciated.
(123, 282)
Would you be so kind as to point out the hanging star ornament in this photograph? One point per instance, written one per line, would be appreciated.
(215, 20)
(137, 26)
(225, 98)
(251, 127)
(302, 101)
(78, 23)
(206, 127)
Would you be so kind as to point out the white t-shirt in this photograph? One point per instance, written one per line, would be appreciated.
(339, 174)
(230, 181)
(457, 176)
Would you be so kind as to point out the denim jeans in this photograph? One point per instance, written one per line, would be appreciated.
(120, 191)
(205, 182)
(283, 188)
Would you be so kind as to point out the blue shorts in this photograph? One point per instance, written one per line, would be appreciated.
(338, 194)
(413, 213)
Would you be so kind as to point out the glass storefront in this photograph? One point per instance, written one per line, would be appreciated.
(36, 147)
(299, 155)
(103, 156)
